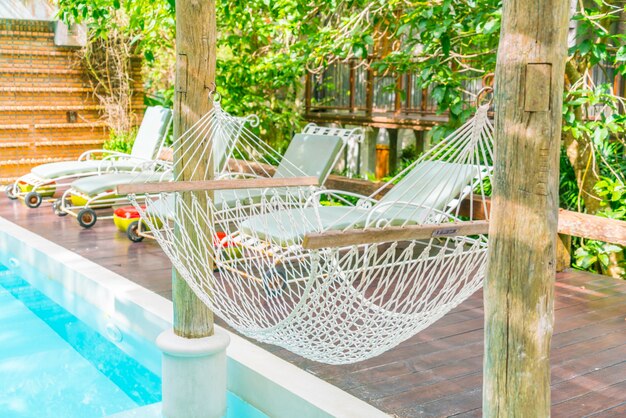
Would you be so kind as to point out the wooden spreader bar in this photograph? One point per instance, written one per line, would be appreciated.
(207, 185)
(333, 239)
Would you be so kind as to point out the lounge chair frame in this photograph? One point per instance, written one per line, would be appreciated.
(104, 200)
(39, 187)
(346, 135)
(257, 248)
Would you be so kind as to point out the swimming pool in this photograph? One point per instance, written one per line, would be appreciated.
(52, 364)
(132, 317)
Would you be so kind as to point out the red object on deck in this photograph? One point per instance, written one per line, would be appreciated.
(127, 212)
(219, 236)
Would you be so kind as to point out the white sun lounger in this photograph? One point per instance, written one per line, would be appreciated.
(311, 155)
(431, 183)
(85, 195)
(45, 180)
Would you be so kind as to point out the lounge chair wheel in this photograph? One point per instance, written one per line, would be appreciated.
(131, 232)
(87, 218)
(9, 192)
(56, 207)
(32, 200)
(275, 281)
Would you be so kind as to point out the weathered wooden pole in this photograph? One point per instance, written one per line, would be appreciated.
(519, 288)
(194, 356)
(196, 35)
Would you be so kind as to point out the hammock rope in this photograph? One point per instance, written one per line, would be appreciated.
(335, 304)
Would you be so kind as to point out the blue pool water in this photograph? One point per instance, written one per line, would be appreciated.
(53, 365)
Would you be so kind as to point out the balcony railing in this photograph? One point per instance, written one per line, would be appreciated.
(352, 88)
(353, 91)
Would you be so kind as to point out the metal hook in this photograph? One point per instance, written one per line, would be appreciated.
(214, 96)
(488, 79)
(481, 93)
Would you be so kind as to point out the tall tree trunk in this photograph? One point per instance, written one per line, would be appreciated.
(579, 152)
(196, 35)
(519, 290)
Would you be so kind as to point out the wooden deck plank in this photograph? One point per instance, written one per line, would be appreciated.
(593, 381)
(437, 372)
(592, 402)
(400, 376)
(617, 412)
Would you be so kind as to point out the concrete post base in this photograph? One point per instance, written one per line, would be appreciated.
(194, 375)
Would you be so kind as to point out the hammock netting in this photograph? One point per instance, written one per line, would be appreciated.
(242, 252)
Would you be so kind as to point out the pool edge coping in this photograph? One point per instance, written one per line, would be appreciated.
(323, 396)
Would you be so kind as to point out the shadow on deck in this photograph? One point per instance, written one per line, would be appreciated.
(439, 371)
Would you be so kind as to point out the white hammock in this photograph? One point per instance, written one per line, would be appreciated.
(337, 304)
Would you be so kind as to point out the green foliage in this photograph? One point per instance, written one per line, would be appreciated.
(446, 44)
(121, 141)
(613, 193)
(265, 46)
(149, 24)
(568, 188)
(595, 255)
(407, 156)
(163, 98)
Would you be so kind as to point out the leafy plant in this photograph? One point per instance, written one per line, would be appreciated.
(613, 194)
(600, 256)
(596, 256)
(121, 141)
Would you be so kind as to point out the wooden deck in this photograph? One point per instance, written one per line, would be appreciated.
(439, 371)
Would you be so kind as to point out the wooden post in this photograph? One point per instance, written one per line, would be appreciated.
(420, 141)
(194, 362)
(308, 92)
(563, 252)
(393, 149)
(408, 103)
(397, 104)
(519, 286)
(352, 64)
(369, 89)
(195, 74)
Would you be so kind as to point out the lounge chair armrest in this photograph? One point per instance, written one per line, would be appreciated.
(164, 165)
(154, 165)
(433, 214)
(115, 156)
(87, 155)
(239, 174)
(211, 185)
(341, 195)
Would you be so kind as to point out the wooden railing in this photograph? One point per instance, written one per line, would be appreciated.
(352, 88)
(353, 92)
